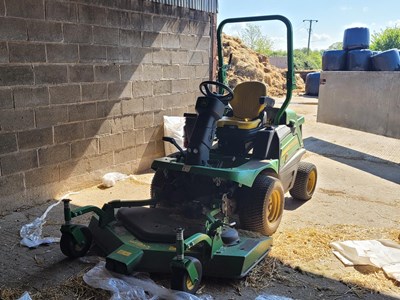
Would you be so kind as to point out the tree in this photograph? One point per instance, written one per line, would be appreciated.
(253, 38)
(302, 61)
(264, 46)
(386, 39)
(336, 46)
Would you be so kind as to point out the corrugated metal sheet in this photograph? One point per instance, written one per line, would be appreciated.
(203, 5)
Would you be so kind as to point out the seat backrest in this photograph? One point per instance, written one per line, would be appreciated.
(246, 101)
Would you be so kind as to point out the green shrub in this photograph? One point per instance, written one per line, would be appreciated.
(386, 39)
(302, 61)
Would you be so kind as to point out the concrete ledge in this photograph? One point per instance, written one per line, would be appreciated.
(366, 101)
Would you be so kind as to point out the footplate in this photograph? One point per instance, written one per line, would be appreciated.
(124, 259)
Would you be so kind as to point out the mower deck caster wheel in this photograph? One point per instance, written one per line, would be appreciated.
(180, 279)
(71, 247)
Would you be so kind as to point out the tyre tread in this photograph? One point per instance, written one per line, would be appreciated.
(299, 189)
(252, 208)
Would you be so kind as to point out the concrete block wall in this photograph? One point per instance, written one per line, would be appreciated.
(366, 101)
(84, 86)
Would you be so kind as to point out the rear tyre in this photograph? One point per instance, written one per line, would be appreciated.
(157, 184)
(261, 206)
(163, 188)
(306, 181)
(180, 279)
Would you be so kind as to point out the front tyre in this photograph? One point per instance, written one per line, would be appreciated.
(261, 206)
(306, 181)
(71, 247)
(180, 279)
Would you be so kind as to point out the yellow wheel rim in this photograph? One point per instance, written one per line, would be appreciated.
(274, 206)
(189, 284)
(312, 179)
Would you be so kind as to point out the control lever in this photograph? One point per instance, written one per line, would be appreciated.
(173, 142)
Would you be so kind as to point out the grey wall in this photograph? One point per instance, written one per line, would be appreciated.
(84, 86)
(367, 101)
(278, 61)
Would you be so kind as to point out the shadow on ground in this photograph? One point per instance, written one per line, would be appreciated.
(293, 204)
(353, 158)
(47, 274)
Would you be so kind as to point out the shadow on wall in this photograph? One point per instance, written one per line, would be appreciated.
(376, 166)
(93, 100)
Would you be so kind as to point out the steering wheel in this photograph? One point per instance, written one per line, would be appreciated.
(227, 92)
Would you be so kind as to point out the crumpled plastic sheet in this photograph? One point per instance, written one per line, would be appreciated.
(135, 288)
(25, 296)
(109, 179)
(31, 234)
(125, 287)
(383, 254)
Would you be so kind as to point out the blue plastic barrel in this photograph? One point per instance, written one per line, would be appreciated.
(356, 38)
(334, 60)
(359, 60)
(312, 83)
(388, 60)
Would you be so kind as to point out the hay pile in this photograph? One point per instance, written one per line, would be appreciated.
(247, 65)
(308, 249)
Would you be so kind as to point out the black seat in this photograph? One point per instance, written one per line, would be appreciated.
(156, 224)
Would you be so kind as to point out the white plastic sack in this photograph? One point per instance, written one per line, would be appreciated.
(125, 287)
(173, 127)
(31, 233)
(109, 179)
(379, 253)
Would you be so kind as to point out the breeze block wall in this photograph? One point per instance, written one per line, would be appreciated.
(84, 86)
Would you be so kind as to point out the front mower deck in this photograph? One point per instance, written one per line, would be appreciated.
(125, 252)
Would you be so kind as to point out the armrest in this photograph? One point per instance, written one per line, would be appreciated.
(269, 102)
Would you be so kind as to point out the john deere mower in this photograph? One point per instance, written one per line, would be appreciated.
(242, 155)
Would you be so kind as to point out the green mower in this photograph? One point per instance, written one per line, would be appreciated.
(213, 206)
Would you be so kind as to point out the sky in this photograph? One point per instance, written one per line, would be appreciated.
(333, 17)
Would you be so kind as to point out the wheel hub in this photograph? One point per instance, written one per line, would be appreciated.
(311, 182)
(274, 208)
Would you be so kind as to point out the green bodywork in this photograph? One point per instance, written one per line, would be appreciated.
(125, 253)
(243, 173)
(217, 260)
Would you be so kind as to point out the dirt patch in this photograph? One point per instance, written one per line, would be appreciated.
(248, 65)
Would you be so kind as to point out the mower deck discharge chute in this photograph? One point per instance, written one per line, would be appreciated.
(213, 206)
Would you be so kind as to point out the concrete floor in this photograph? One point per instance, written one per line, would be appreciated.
(359, 175)
(358, 183)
